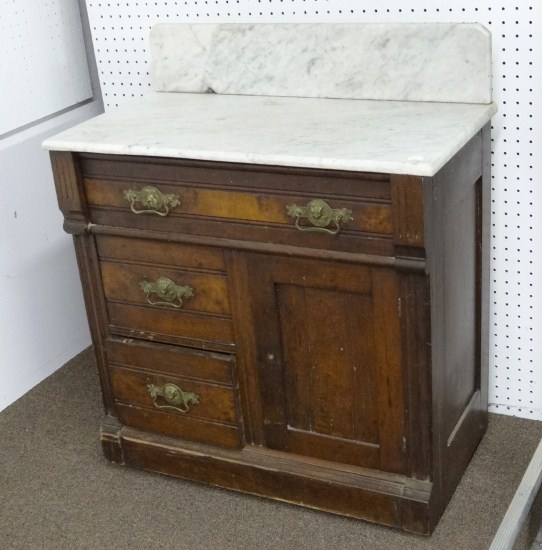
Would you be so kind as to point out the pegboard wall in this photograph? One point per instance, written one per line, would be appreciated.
(43, 62)
(120, 35)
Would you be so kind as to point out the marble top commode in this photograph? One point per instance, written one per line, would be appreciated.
(433, 113)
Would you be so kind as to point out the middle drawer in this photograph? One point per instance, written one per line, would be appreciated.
(166, 292)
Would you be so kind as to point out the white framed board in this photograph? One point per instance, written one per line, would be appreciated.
(43, 62)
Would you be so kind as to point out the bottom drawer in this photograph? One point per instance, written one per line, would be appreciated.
(178, 406)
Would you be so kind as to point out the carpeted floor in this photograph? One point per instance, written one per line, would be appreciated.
(58, 492)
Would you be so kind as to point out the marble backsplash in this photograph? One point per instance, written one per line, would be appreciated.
(440, 62)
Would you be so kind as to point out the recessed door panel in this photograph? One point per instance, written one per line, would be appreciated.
(327, 346)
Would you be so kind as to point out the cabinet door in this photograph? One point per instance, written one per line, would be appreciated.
(323, 377)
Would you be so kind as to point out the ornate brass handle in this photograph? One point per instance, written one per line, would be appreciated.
(152, 200)
(320, 215)
(177, 400)
(168, 292)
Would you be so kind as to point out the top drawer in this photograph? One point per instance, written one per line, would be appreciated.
(331, 210)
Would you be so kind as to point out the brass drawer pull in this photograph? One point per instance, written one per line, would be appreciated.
(169, 294)
(320, 215)
(177, 400)
(152, 200)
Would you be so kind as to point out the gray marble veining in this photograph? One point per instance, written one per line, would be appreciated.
(441, 62)
(376, 136)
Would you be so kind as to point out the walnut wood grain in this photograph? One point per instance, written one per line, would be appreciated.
(248, 207)
(215, 402)
(408, 210)
(186, 428)
(68, 183)
(235, 176)
(161, 324)
(310, 321)
(345, 372)
(174, 360)
(458, 414)
(159, 252)
(121, 282)
(386, 498)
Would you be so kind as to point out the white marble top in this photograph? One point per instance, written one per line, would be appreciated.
(447, 62)
(396, 137)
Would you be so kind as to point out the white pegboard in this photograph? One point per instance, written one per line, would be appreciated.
(120, 34)
(43, 62)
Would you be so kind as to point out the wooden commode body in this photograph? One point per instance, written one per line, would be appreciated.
(313, 335)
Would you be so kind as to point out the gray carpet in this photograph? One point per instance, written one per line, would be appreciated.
(57, 491)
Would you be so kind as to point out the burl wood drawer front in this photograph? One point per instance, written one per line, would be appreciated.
(224, 204)
(170, 402)
(165, 292)
(122, 283)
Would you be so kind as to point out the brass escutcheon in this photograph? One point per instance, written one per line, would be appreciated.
(320, 215)
(152, 200)
(177, 400)
(169, 294)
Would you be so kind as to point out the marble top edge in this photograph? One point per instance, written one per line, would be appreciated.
(157, 27)
(350, 135)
